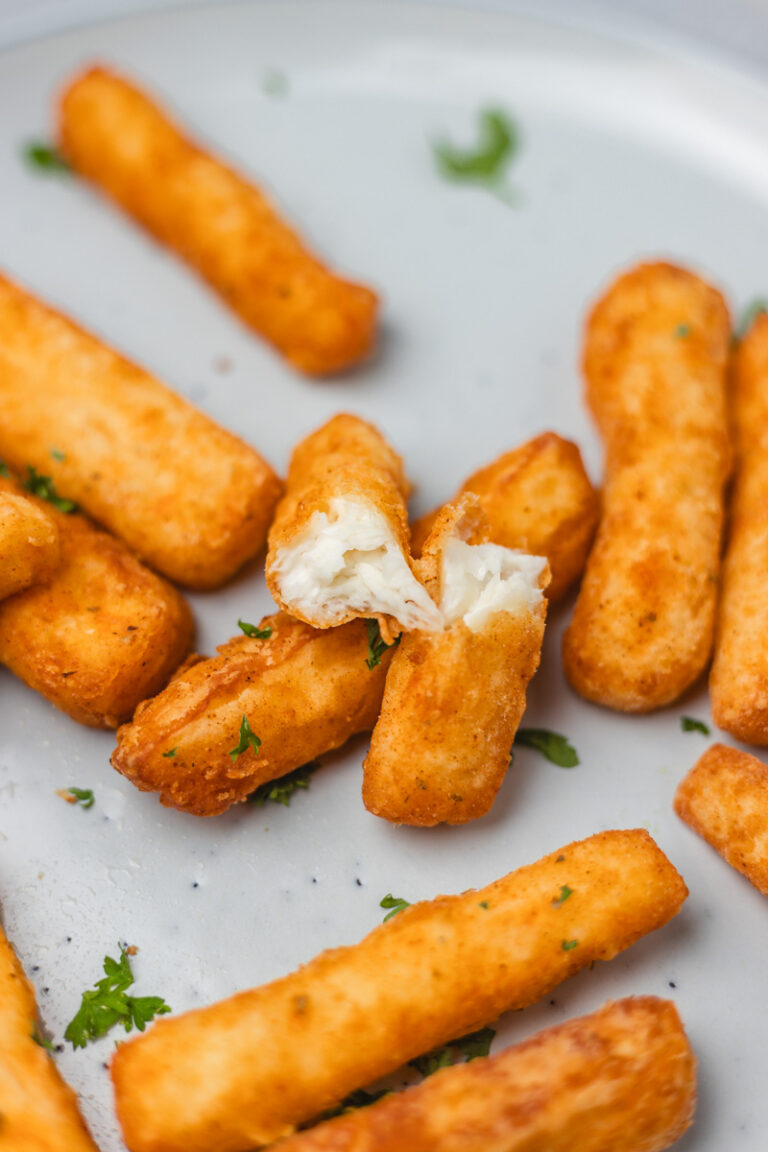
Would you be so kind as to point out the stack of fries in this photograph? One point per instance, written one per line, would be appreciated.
(425, 637)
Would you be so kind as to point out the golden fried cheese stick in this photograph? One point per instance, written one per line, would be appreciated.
(38, 1111)
(725, 799)
(248, 1070)
(29, 543)
(619, 1080)
(537, 498)
(738, 682)
(339, 544)
(101, 634)
(303, 691)
(453, 699)
(655, 363)
(190, 498)
(217, 221)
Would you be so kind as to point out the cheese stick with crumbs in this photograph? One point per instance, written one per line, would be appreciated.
(191, 499)
(453, 699)
(303, 691)
(537, 498)
(655, 358)
(101, 634)
(619, 1080)
(219, 222)
(725, 799)
(38, 1111)
(339, 544)
(738, 681)
(29, 542)
(248, 1070)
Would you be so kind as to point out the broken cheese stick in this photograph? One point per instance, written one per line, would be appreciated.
(250, 1069)
(38, 1111)
(220, 223)
(303, 691)
(738, 681)
(537, 498)
(622, 1079)
(101, 634)
(725, 799)
(339, 544)
(453, 699)
(29, 543)
(655, 358)
(190, 498)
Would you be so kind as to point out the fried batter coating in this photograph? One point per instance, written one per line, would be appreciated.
(738, 682)
(38, 1111)
(304, 692)
(190, 498)
(619, 1080)
(29, 543)
(537, 498)
(339, 544)
(220, 223)
(101, 634)
(454, 699)
(248, 1070)
(725, 799)
(655, 361)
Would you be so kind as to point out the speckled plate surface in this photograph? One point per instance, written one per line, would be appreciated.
(628, 150)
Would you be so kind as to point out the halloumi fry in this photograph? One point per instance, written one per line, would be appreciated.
(738, 682)
(655, 362)
(29, 543)
(725, 799)
(303, 691)
(453, 699)
(619, 1080)
(248, 1070)
(187, 496)
(38, 1111)
(101, 634)
(220, 223)
(339, 544)
(537, 498)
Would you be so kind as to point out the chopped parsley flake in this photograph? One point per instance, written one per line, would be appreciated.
(682, 331)
(82, 796)
(471, 1047)
(41, 1040)
(689, 724)
(487, 162)
(4, 469)
(569, 944)
(483, 904)
(254, 631)
(376, 646)
(44, 157)
(395, 903)
(170, 753)
(108, 1004)
(281, 791)
(552, 745)
(565, 892)
(248, 739)
(44, 488)
(57, 454)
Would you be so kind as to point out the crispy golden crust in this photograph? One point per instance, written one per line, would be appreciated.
(38, 1111)
(186, 495)
(221, 224)
(249, 1069)
(725, 799)
(29, 543)
(537, 498)
(738, 682)
(452, 703)
(620, 1080)
(345, 458)
(655, 361)
(101, 634)
(304, 692)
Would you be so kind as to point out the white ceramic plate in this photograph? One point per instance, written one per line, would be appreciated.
(628, 150)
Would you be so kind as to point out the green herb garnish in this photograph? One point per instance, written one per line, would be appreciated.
(83, 796)
(107, 1004)
(281, 791)
(376, 646)
(57, 454)
(487, 162)
(44, 488)
(689, 724)
(749, 315)
(565, 892)
(44, 157)
(170, 753)
(248, 739)
(41, 1040)
(4, 469)
(569, 944)
(395, 903)
(471, 1047)
(682, 331)
(254, 631)
(483, 904)
(555, 747)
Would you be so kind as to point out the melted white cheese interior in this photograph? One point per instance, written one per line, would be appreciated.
(349, 560)
(480, 579)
